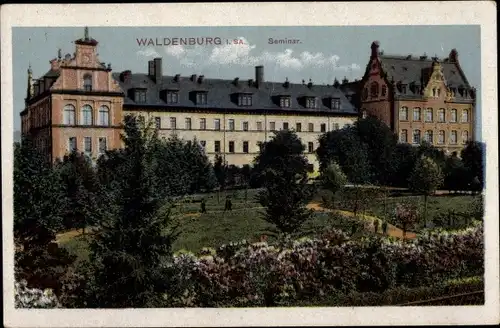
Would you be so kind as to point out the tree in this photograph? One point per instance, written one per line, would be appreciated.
(407, 216)
(472, 156)
(454, 173)
(425, 179)
(220, 171)
(403, 158)
(333, 179)
(131, 248)
(283, 168)
(246, 173)
(39, 201)
(83, 190)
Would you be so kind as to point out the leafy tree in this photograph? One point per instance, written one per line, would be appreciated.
(82, 187)
(472, 156)
(220, 171)
(333, 179)
(425, 179)
(38, 209)
(404, 158)
(407, 216)
(454, 173)
(283, 168)
(131, 248)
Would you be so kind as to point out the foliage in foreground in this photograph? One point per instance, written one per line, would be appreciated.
(264, 275)
(33, 298)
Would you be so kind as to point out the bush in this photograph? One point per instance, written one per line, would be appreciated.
(275, 275)
(33, 298)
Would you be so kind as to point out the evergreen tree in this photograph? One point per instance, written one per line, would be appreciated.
(131, 248)
(38, 209)
(333, 179)
(283, 168)
(425, 179)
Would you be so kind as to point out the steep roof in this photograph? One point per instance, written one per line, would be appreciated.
(221, 93)
(416, 71)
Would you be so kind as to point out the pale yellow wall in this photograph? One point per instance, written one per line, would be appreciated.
(253, 136)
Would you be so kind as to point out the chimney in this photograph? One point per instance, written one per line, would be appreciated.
(158, 70)
(125, 76)
(259, 75)
(250, 83)
(235, 81)
(193, 78)
(151, 69)
(177, 77)
(286, 84)
(54, 65)
(375, 45)
(453, 56)
(200, 79)
(310, 84)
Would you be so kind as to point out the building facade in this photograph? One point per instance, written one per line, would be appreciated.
(80, 104)
(420, 98)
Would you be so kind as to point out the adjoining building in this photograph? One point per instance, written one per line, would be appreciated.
(420, 98)
(80, 104)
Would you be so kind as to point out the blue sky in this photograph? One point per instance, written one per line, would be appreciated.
(322, 54)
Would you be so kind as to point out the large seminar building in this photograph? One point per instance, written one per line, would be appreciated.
(80, 104)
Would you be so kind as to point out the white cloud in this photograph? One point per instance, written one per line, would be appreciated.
(244, 55)
(148, 52)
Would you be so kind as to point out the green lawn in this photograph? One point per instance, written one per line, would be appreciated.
(245, 221)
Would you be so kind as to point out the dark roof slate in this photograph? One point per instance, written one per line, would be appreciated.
(221, 93)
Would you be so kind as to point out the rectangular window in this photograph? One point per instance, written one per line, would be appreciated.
(187, 123)
(416, 136)
(172, 97)
(245, 126)
(335, 104)
(72, 144)
(285, 125)
(403, 114)
(310, 147)
(272, 126)
(311, 102)
(465, 116)
(203, 123)
(453, 116)
(323, 127)
(441, 137)
(217, 146)
(201, 98)
(173, 123)
(231, 146)
(285, 102)
(140, 96)
(245, 146)
(298, 127)
(216, 124)
(231, 124)
(158, 123)
(259, 126)
(429, 136)
(87, 145)
(245, 100)
(102, 145)
(311, 127)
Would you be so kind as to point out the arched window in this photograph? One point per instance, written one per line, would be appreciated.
(104, 115)
(429, 137)
(403, 114)
(403, 136)
(69, 115)
(416, 114)
(441, 115)
(86, 115)
(465, 116)
(87, 82)
(453, 137)
(429, 117)
(416, 136)
(441, 137)
(374, 90)
(453, 115)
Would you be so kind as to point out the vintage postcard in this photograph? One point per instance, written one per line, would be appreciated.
(258, 164)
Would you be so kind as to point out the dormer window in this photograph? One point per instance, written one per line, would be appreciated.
(245, 100)
(172, 97)
(285, 102)
(384, 90)
(335, 103)
(201, 98)
(140, 96)
(87, 82)
(310, 102)
(403, 88)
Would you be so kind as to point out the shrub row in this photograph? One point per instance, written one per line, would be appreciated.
(243, 274)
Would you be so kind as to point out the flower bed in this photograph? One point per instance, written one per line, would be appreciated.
(243, 274)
